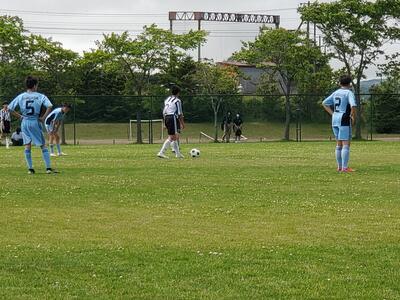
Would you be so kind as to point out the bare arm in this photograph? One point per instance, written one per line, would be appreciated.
(353, 114)
(56, 125)
(328, 109)
(182, 121)
(48, 110)
(17, 115)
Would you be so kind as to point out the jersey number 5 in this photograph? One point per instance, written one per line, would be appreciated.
(29, 108)
(338, 101)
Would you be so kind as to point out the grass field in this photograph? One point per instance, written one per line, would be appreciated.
(86, 132)
(243, 221)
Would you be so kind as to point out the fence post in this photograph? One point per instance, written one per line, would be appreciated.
(63, 142)
(74, 121)
(298, 124)
(372, 115)
(138, 128)
(150, 128)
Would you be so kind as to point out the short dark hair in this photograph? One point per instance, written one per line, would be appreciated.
(67, 105)
(175, 90)
(5, 103)
(31, 81)
(345, 79)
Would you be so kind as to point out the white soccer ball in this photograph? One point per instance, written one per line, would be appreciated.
(195, 152)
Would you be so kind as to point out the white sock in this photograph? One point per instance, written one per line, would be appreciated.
(7, 142)
(173, 144)
(164, 148)
(176, 148)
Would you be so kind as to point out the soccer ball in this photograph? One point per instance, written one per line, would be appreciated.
(194, 152)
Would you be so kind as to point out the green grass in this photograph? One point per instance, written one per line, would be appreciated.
(244, 221)
(252, 130)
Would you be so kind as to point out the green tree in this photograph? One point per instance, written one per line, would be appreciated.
(289, 57)
(215, 82)
(100, 76)
(54, 64)
(386, 102)
(148, 53)
(14, 55)
(356, 30)
(386, 106)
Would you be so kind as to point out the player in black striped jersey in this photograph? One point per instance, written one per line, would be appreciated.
(173, 115)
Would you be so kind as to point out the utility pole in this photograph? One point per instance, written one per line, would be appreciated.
(199, 47)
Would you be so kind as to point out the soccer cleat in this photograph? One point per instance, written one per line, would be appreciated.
(339, 169)
(347, 170)
(179, 156)
(51, 171)
(62, 154)
(162, 155)
(31, 171)
(53, 154)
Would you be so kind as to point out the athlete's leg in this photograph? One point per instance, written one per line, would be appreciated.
(345, 136)
(46, 156)
(345, 155)
(165, 146)
(338, 154)
(175, 142)
(28, 156)
(176, 146)
(8, 141)
(51, 142)
(57, 138)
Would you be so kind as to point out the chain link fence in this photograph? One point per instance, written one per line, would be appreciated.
(137, 119)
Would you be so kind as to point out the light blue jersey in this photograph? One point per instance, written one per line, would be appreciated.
(55, 116)
(29, 104)
(342, 101)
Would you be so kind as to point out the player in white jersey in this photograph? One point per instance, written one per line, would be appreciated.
(30, 103)
(341, 105)
(5, 122)
(52, 124)
(172, 114)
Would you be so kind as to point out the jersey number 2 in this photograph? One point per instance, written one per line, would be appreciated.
(29, 107)
(338, 101)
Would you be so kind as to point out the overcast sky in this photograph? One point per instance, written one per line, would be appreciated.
(77, 24)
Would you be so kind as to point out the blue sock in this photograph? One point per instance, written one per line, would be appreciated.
(46, 157)
(51, 148)
(345, 156)
(338, 154)
(59, 148)
(28, 158)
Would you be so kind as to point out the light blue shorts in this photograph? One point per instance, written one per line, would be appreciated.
(32, 132)
(342, 133)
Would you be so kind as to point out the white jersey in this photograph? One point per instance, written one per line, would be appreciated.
(5, 115)
(172, 106)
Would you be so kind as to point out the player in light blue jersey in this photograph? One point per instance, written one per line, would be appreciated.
(52, 123)
(341, 105)
(29, 104)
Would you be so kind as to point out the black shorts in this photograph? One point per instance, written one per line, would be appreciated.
(238, 132)
(6, 127)
(171, 122)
